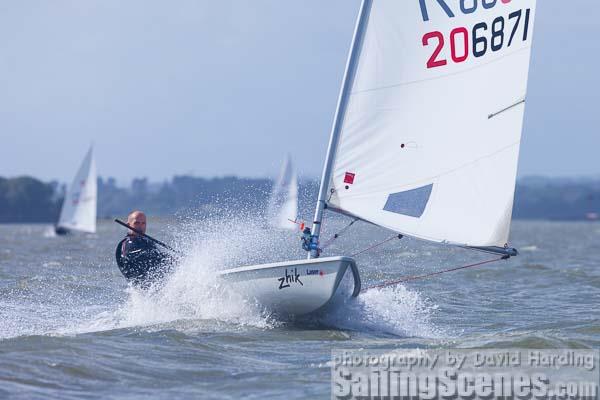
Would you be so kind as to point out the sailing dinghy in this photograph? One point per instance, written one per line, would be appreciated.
(425, 139)
(78, 211)
(282, 210)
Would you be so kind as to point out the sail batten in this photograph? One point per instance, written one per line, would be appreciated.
(466, 71)
(429, 141)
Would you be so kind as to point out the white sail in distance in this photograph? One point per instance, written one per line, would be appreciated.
(79, 207)
(431, 129)
(283, 202)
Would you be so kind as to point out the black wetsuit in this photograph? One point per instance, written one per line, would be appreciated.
(141, 262)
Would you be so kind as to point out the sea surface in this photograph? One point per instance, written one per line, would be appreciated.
(71, 327)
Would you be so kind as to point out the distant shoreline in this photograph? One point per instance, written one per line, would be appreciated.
(29, 200)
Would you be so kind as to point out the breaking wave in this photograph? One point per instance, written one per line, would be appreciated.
(193, 295)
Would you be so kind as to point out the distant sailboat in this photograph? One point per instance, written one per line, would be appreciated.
(425, 139)
(78, 211)
(283, 203)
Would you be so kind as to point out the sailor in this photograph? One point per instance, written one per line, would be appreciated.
(138, 258)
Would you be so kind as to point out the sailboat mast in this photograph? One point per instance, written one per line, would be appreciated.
(343, 98)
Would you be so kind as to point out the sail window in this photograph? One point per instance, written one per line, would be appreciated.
(411, 202)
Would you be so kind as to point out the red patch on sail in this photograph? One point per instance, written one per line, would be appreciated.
(349, 178)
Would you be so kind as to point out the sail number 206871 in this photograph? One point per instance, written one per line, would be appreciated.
(477, 41)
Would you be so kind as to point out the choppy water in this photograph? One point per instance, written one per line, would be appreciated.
(71, 328)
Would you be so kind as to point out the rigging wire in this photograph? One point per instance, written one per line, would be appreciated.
(378, 244)
(337, 235)
(409, 277)
(415, 277)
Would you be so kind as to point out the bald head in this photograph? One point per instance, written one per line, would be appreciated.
(137, 220)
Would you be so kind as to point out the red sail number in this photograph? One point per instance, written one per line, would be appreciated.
(465, 33)
(433, 62)
(457, 58)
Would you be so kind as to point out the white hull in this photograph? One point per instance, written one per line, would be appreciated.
(297, 287)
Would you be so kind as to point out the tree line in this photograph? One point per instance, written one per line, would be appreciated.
(26, 199)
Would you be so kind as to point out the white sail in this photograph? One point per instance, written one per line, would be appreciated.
(79, 207)
(431, 129)
(283, 203)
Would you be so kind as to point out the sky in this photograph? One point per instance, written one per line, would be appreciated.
(228, 87)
